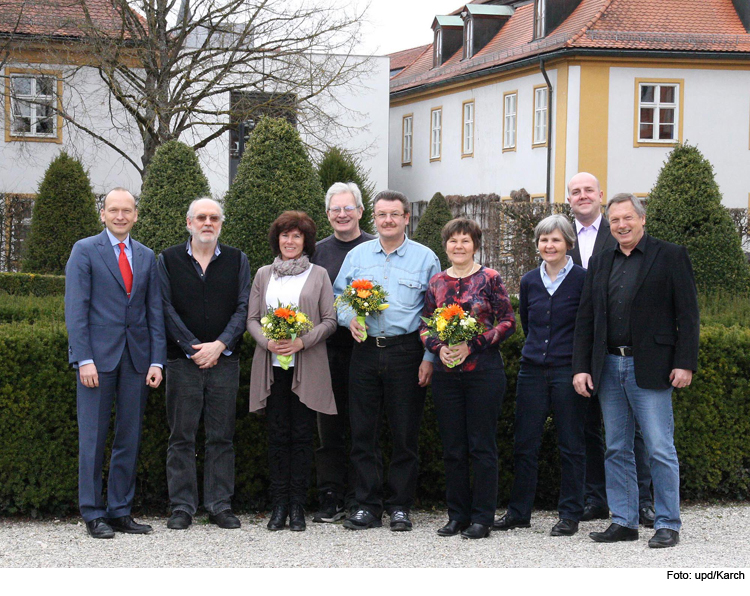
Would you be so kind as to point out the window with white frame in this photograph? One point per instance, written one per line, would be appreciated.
(658, 108)
(32, 105)
(540, 115)
(406, 141)
(438, 49)
(540, 16)
(469, 41)
(509, 120)
(436, 132)
(468, 129)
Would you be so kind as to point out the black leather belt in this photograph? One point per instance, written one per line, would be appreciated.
(621, 351)
(395, 340)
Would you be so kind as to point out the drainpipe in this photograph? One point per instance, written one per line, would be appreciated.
(549, 128)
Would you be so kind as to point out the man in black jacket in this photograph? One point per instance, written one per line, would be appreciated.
(593, 236)
(205, 287)
(636, 340)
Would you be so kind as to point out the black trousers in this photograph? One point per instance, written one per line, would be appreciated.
(385, 380)
(291, 425)
(467, 405)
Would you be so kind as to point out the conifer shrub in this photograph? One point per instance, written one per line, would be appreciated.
(431, 225)
(31, 284)
(274, 175)
(685, 208)
(174, 180)
(64, 212)
(338, 165)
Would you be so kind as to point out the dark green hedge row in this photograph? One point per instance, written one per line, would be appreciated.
(32, 284)
(38, 432)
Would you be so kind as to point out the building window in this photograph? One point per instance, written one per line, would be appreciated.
(467, 148)
(469, 38)
(539, 198)
(540, 17)
(510, 101)
(436, 133)
(541, 95)
(31, 103)
(406, 140)
(658, 119)
(438, 49)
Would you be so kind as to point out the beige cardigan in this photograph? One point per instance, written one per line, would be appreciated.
(312, 378)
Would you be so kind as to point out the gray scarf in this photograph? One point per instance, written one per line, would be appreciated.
(281, 268)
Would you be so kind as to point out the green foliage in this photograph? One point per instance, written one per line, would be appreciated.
(174, 180)
(431, 225)
(64, 212)
(338, 165)
(723, 308)
(685, 208)
(31, 284)
(31, 309)
(274, 175)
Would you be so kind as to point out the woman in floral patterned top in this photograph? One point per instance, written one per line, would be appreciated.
(468, 384)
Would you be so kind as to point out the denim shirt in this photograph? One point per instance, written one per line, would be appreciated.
(404, 274)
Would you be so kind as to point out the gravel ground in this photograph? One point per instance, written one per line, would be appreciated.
(713, 537)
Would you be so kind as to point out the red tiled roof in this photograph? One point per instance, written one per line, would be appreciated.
(404, 58)
(659, 25)
(58, 18)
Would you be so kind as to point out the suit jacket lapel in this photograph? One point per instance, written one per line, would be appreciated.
(108, 255)
(601, 236)
(138, 266)
(652, 250)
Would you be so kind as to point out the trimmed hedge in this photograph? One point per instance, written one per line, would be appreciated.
(38, 431)
(32, 284)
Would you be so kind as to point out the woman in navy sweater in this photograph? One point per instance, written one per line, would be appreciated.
(548, 305)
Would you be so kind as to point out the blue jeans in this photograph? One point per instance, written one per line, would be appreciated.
(623, 405)
(539, 389)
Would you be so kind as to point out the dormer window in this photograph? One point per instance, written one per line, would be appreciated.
(448, 38)
(438, 48)
(468, 38)
(540, 18)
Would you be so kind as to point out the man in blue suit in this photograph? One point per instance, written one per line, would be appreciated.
(116, 340)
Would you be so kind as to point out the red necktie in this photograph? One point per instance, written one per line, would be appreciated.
(125, 270)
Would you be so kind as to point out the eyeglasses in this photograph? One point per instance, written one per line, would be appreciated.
(336, 210)
(384, 216)
(202, 218)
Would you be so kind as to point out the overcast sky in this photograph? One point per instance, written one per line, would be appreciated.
(395, 25)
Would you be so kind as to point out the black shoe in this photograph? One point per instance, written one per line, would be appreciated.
(664, 538)
(565, 527)
(400, 521)
(331, 509)
(278, 518)
(507, 522)
(99, 528)
(475, 531)
(615, 533)
(297, 518)
(225, 520)
(128, 525)
(646, 516)
(179, 520)
(595, 512)
(362, 520)
(452, 528)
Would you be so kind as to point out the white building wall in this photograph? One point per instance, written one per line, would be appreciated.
(490, 170)
(716, 118)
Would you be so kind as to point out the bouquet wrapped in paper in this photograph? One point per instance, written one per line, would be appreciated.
(364, 298)
(285, 322)
(452, 325)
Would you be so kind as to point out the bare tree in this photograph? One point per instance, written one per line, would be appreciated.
(173, 69)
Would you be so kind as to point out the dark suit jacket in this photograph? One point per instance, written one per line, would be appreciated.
(664, 318)
(604, 240)
(98, 313)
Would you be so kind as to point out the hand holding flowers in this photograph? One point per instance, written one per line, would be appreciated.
(282, 326)
(453, 326)
(364, 298)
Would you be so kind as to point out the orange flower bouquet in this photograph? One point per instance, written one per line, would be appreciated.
(364, 298)
(452, 325)
(285, 322)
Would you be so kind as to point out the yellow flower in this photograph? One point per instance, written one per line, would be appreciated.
(301, 318)
(383, 306)
(264, 320)
(441, 324)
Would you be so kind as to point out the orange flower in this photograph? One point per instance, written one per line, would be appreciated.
(364, 293)
(284, 313)
(362, 284)
(452, 311)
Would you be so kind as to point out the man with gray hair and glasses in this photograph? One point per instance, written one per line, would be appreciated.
(344, 209)
(205, 287)
(636, 340)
